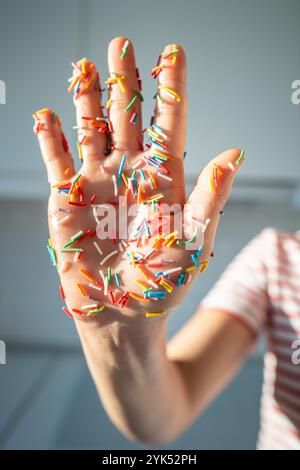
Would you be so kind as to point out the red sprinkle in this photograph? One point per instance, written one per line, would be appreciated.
(92, 199)
(67, 312)
(111, 296)
(61, 290)
(64, 143)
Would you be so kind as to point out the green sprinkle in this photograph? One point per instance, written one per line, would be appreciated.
(159, 156)
(54, 256)
(159, 98)
(130, 104)
(72, 250)
(53, 117)
(124, 50)
(139, 94)
(240, 158)
(221, 212)
(187, 242)
(74, 239)
(77, 235)
(96, 310)
(163, 54)
(109, 275)
(76, 178)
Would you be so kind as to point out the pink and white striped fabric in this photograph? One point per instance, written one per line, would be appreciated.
(261, 287)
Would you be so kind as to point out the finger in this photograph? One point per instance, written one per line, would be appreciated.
(93, 131)
(125, 96)
(171, 102)
(211, 192)
(54, 146)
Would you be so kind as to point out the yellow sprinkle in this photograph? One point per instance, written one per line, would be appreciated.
(171, 242)
(59, 184)
(161, 154)
(171, 92)
(121, 84)
(171, 235)
(166, 286)
(174, 55)
(155, 314)
(142, 284)
(132, 259)
(156, 196)
(191, 268)
(79, 151)
(203, 265)
(43, 110)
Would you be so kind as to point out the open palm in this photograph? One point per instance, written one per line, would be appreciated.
(148, 270)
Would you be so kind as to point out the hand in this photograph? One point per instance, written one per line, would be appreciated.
(128, 284)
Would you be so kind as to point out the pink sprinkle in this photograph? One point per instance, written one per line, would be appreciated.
(133, 118)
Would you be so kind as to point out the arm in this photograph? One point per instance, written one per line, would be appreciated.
(153, 390)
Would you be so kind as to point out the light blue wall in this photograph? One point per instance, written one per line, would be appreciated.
(242, 58)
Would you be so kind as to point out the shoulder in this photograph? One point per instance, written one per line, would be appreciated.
(272, 244)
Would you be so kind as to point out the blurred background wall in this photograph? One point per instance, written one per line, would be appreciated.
(242, 59)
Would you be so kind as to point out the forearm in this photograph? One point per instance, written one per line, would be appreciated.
(141, 390)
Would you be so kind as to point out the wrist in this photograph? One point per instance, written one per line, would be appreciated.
(116, 340)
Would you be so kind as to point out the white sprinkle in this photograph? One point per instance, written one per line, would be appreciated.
(137, 164)
(76, 256)
(94, 287)
(205, 225)
(126, 44)
(107, 257)
(84, 307)
(150, 183)
(231, 166)
(102, 275)
(98, 248)
(120, 247)
(174, 270)
(153, 284)
(115, 185)
(164, 176)
(124, 243)
(149, 254)
(106, 285)
(95, 214)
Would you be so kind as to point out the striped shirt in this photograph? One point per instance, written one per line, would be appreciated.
(261, 287)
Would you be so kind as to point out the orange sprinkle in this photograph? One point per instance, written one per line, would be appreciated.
(82, 289)
(138, 297)
(87, 275)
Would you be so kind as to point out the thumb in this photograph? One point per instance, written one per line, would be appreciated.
(211, 192)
